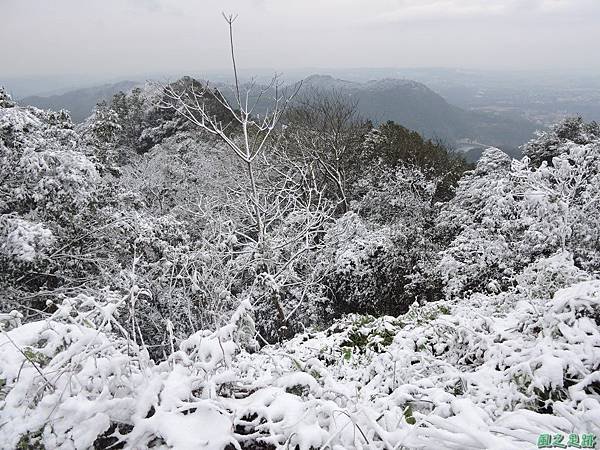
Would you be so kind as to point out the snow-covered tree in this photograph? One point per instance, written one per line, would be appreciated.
(547, 144)
(372, 255)
(5, 99)
(325, 129)
(562, 198)
(479, 226)
(22, 240)
(506, 215)
(282, 208)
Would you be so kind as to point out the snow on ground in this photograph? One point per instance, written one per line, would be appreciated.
(487, 372)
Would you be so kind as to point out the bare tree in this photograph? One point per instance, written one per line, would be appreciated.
(325, 127)
(255, 132)
(282, 198)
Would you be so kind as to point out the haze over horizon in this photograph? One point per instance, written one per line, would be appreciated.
(118, 38)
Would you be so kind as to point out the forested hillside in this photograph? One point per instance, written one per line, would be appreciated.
(183, 271)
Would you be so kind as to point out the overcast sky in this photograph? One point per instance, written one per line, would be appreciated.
(114, 37)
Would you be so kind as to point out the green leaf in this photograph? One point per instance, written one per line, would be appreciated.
(408, 416)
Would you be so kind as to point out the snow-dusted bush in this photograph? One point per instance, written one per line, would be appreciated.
(488, 372)
(401, 196)
(79, 380)
(544, 277)
(353, 252)
(23, 240)
(50, 192)
(483, 197)
(372, 270)
(477, 261)
(57, 181)
(562, 200)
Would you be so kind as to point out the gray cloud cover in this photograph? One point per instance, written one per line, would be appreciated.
(135, 36)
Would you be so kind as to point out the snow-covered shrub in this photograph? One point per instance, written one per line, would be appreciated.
(23, 240)
(516, 366)
(483, 197)
(544, 277)
(477, 261)
(547, 144)
(78, 380)
(48, 199)
(478, 227)
(104, 124)
(57, 181)
(100, 132)
(560, 372)
(563, 201)
(402, 196)
(353, 252)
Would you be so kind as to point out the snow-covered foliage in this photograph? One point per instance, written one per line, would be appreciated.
(372, 256)
(81, 368)
(507, 214)
(563, 200)
(41, 164)
(23, 240)
(490, 372)
(5, 99)
(187, 297)
(547, 144)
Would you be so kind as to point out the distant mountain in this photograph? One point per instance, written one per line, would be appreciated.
(417, 107)
(80, 102)
(409, 103)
